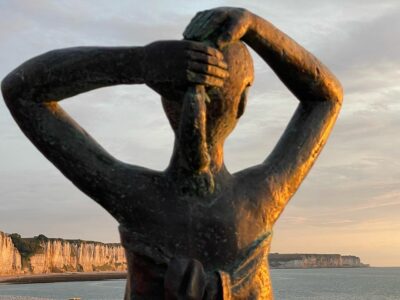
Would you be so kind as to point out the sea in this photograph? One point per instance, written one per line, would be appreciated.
(293, 284)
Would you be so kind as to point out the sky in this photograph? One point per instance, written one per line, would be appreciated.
(348, 204)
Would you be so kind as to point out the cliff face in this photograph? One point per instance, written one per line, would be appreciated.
(302, 261)
(61, 256)
(10, 259)
(42, 255)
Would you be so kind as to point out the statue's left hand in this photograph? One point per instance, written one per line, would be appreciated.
(182, 63)
(223, 25)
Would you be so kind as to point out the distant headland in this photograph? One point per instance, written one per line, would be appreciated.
(41, 255)
(309, 261)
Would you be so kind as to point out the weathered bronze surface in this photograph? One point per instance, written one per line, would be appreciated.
(194, 231)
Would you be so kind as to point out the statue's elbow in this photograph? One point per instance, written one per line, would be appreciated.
(6, 88)
(337, 92)
(330, 91)
(12, 87)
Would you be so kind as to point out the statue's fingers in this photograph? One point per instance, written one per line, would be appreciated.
(211, 24)
(204, 20)
(201, 78)
(188, 30)
(204, 58)
(208, 69)
(205, 25)
(191, 31)
(201, 47)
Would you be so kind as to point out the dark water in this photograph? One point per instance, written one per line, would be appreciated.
(311, 284)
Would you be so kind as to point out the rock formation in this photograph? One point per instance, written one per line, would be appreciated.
(304, 261)
(42, 255)
(10, 258)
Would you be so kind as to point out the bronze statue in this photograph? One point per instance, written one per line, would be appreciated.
(194, 231)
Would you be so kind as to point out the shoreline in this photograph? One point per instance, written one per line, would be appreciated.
(61, 277)
(99, 276)
(308, 268)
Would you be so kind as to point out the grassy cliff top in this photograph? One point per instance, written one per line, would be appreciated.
(30, 246)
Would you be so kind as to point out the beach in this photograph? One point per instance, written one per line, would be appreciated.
(62, 277)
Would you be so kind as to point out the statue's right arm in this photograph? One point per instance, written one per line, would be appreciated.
(320, 97)
(317, 89)
(32, 92)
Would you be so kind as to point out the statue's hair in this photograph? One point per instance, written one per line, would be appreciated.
(191, 123)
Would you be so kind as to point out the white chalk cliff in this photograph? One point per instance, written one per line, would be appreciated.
(57, 255)
(43, 255)
(10, 258)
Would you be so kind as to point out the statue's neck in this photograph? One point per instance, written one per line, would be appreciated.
(207, 159)
(202, 178)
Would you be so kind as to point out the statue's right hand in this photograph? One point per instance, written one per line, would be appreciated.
(223, 25)
(184, 62)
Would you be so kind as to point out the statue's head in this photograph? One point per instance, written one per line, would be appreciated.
(227, 103)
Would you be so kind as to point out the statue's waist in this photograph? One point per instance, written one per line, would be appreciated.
(233, 278)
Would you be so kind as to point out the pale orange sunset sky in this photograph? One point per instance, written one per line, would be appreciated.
(349, 203)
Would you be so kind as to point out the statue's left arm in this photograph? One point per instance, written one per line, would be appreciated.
(32, 92)
(317, 89)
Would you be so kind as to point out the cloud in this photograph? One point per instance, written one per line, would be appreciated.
(354, 184)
